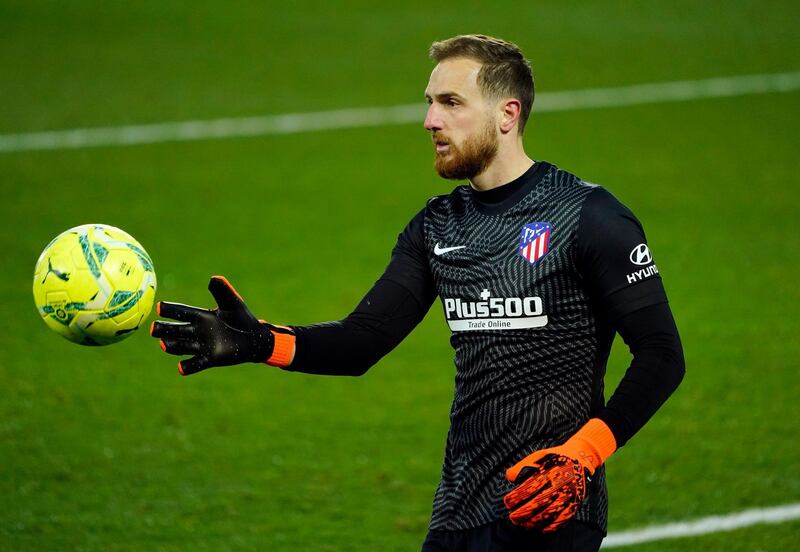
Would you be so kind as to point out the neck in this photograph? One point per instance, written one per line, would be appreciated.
(506, 166)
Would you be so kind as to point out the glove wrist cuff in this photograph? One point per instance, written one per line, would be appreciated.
(283, 351)
(594, 443)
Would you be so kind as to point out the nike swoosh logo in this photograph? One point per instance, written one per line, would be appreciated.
(442, 250)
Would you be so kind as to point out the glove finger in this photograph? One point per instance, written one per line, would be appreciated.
(542, 516)
(527, 471)
(562, 517)
(177, 330)
(178, 311)
(193, 365)
(180, 346)
(513, 472)
(525, 491)
(541, 507)
(535, 504)
(224, 294)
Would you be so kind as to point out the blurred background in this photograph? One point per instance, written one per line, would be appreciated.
(109, 448)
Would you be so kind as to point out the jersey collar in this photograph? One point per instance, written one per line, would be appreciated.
(500, 199)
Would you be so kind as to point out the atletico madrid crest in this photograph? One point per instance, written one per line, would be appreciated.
(535, 241)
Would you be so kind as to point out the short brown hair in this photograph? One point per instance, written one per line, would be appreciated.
(505, 70)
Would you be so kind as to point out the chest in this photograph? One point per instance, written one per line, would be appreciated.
(513, 271)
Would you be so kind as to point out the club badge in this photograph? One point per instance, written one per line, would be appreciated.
(534, 241)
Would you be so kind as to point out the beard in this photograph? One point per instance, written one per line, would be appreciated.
(471, 158)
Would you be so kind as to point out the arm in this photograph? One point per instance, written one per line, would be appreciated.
(349, 347)
(623, 281)
(628, 295)
(656, 370)
(230, 334)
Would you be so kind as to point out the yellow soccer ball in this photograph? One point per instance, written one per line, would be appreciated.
(94, 284)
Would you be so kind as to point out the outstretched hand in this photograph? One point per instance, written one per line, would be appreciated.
(226, 335)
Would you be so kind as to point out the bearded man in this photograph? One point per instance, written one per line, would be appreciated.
(536, 271)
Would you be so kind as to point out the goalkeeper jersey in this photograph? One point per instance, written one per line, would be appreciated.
(530, 279)
(532, 276)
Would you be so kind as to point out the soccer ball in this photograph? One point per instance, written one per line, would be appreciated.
(94, 284)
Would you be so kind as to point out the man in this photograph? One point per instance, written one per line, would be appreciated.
(536, 270)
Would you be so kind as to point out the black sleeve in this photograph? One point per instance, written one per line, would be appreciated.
(623, 281)
(393, 307)
(655, 372)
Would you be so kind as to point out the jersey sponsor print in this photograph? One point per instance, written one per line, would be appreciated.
(494, 313)
(641, 256)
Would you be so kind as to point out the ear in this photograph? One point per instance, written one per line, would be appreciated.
(510, 109)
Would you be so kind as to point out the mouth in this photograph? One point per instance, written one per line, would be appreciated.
(442, 145)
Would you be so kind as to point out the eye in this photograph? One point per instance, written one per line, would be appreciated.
(451, 102)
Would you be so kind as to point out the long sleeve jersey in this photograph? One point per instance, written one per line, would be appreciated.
(535, 278)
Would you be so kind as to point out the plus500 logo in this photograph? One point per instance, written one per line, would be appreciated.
(495, 307)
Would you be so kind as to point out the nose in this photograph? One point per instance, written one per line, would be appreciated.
(433, 121)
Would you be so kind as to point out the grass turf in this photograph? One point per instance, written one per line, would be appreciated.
(110, 449)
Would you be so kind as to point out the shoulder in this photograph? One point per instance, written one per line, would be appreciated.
(444, 203)
(608, 229)
(601, 214)
(601, 209)
(436, 207)
(565, 186)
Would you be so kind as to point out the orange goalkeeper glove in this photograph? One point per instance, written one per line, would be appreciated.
(553, 481)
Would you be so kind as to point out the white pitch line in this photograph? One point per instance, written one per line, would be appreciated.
(704, 526)
(292, 123)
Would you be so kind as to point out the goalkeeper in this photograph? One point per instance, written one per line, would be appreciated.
(536, 270)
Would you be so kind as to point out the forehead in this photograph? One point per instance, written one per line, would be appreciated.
(455, 75)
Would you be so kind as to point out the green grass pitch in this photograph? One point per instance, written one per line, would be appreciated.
(109, 449)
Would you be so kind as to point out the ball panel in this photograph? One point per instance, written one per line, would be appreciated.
(58, 312)
(100, 252)
(122, 267)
